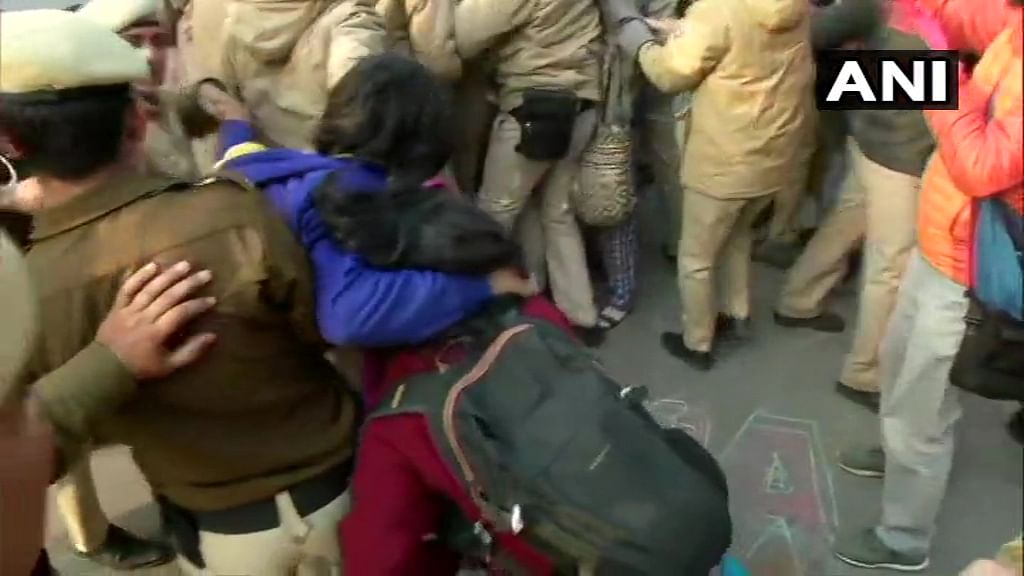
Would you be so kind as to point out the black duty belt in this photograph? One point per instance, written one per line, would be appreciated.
(308, 496)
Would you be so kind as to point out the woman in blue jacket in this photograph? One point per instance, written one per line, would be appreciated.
(386, 126)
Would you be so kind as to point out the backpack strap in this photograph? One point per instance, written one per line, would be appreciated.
(228, 175)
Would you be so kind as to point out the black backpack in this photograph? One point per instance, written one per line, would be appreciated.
(552, 448)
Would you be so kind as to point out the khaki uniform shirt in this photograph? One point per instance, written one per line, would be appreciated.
(536, 44)
(424, 30)
(284, 57)
(263, 410)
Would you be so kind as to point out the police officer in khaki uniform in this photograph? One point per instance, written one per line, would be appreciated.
(737, 56)
(547, 57)
(131, 343)
(248, 452)
(168, 149)
(283, 57)
(424, 30)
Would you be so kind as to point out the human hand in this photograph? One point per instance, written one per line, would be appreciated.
(152, 306)
(664, 28)
(217, 102)
(617, 12)
(511, 281)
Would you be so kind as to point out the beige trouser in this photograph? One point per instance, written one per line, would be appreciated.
(79, 506)
(879, 205)
(300, 546)
(824, 263)
(509, 184)
(717, 234)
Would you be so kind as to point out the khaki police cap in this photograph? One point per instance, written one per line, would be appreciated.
(18, 310)
(48, 50)
(117, 15)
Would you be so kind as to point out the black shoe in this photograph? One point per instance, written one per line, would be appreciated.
(869, 400)
(673, 344)
(729, 329)
(592, 337)
(864, 462)
(123, 550)
(825, 322)
(805, 235)
(43, 567)
(777, 254)
(1016, 426)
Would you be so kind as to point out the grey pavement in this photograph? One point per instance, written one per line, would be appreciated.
(786, 376)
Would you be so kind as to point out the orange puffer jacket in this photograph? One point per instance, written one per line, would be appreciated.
(979, 145)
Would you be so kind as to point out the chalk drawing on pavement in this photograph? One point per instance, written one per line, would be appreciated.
(694, 419)
(781, 493)
(776, 479)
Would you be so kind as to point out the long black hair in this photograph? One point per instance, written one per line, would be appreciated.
(390, 110)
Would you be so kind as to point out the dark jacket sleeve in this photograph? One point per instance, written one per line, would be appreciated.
(845, 21)
(91, 385)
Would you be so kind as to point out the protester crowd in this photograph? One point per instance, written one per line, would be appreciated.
(330, 269)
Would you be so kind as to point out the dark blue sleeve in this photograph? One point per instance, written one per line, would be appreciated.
(234, 132)
(363, 306)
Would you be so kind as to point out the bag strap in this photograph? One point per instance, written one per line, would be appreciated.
(618, 71)
(229, 175)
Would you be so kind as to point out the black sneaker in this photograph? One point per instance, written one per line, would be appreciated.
(729, 329)
(869, 400)
(864, 462)
(592, 337)
(781, 255)
(865, 550)
(825, 322)
(122, 550)
(673, 344)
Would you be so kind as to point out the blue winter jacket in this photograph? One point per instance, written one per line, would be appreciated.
(356, 304)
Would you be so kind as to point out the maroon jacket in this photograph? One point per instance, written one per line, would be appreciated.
(402, 487)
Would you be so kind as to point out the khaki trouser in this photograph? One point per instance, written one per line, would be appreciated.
(300, 546)
(717, 234)
(879, 205)
(510, 182)
(824, 263)
(79, 506)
